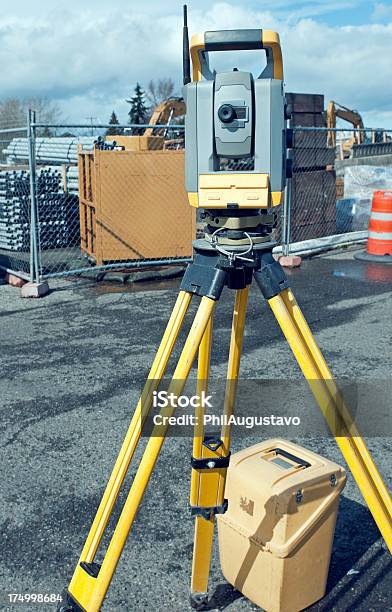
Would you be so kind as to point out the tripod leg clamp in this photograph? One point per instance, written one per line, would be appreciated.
(207, 512)
(210, 463)
(203, 281)
(270, 276)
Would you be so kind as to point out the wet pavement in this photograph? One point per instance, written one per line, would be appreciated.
(72, 367)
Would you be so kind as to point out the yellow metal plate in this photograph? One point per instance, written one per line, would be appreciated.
(246, 190)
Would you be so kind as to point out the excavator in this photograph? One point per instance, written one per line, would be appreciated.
(163, 114)
(152, 137)
(335, 111)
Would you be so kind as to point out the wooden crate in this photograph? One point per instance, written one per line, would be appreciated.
(313, 198)
(133, 205)
(305, 103)
(308, 120)
(304, 139)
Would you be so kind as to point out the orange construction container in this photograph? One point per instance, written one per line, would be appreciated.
(276, 537)
(133, 205)
(379, 245)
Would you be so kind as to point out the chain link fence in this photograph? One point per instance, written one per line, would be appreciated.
(99, 197)
(104, 197)
(14, 198)
(334, 174)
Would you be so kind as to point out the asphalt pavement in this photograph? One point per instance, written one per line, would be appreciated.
(72, 365)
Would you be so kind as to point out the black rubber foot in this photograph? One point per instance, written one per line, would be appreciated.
(365, 256)
(199, 601)
(68, 604)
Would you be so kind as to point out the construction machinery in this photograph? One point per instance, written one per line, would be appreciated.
(164, 113)
(339, 111)
(155, 138)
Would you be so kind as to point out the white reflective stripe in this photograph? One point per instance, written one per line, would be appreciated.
(381, 235)
(381, 216)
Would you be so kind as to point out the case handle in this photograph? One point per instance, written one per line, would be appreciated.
(284, 550)
(291, 457)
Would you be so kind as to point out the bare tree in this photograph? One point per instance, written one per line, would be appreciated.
(12, 114)
(13, 111)
(47, 110)
(159, 90)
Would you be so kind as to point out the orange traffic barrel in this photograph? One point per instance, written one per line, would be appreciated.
(379, 244)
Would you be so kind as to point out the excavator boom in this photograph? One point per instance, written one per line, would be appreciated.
(164, 113)
(336, 110)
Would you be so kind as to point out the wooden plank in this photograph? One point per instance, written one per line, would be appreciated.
(87, 203)
(305, 103)
(340, 187)
(305, 139)
(312, 158)
(308, 120)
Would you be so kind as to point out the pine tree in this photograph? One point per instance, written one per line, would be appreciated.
(113, 131)
(138, 111)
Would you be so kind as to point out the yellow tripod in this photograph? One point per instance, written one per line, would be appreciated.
(206, 277)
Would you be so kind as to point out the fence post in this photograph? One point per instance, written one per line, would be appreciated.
(286, 219)
(34, 258)
(288, 212)
(286, 225)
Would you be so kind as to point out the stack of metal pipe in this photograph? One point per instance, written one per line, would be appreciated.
(73, 179)
(57, 210)
(56, 150)
(14, 210)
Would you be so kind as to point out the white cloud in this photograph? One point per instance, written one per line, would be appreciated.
(381, 11)
(89, 59)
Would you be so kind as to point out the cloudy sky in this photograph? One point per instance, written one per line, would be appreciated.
(88, 54)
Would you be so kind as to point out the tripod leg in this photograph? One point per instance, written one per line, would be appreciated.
(203, 528)
(133, 434)
(91, 581)
(208, 485)
(353, 447)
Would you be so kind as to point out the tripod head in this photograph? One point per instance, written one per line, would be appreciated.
(235, 133)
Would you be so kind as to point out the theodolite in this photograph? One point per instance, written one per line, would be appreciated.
(236, 167)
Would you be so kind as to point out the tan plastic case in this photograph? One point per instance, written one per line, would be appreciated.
(276, 537)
